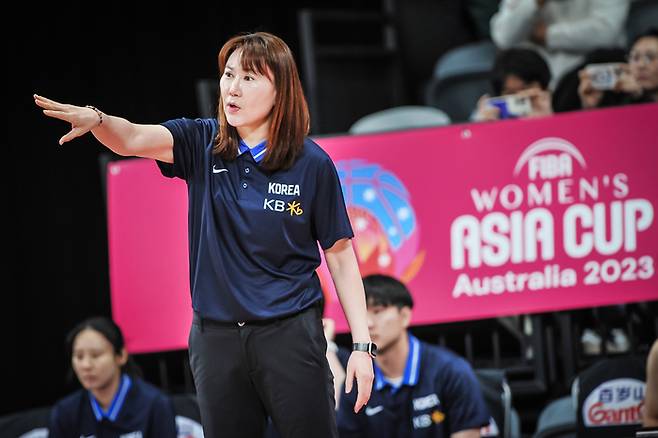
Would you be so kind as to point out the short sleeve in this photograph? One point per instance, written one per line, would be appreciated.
(330, 220)
(463, 398)
(191, 138)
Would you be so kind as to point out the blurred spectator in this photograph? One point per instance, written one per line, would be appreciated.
(650, 414)
(517, 72)
(563, 30)
(634, 82)
(419, 389)
(113, 401)
(565, 95)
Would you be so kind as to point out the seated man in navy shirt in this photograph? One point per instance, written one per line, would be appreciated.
(420, 390)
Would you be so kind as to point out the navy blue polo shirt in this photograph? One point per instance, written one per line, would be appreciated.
(253, 234)
(438, 395)
(138, 410)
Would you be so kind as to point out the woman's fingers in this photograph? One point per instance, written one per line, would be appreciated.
(80, 123)
(49, 104)
(73, 133)
(45, 100)
(359, 367)
(364, 387)
(61, 115)
(349, 378)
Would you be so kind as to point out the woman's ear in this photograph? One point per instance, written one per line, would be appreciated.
(122, 358)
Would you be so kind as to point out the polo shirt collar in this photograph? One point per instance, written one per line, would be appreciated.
(117, 402)
(411, 369)
(258, 151)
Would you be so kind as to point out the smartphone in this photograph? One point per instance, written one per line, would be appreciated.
(604, 76)
(511, 106)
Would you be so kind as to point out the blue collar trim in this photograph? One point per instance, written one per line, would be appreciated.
(411, 369)
(258, 151)
(117, 402)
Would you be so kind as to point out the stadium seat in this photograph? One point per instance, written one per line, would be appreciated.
(27, 424)
(557, 419)
(505, 422)
(469, 58)
(460, 77)
(401, 117)
(610, 394)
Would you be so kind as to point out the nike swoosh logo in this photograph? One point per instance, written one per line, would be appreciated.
(372, 411)
(214, 170)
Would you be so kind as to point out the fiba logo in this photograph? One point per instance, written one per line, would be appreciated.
(549, 158)
(386, 230)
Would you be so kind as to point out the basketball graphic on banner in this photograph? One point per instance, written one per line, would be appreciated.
(386, 232)
(385, 227)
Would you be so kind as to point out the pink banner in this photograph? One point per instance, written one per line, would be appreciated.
(148, 256)
(479, 220)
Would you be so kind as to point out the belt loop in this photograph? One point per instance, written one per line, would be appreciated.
(201, 323)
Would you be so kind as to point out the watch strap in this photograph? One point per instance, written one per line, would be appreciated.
(367, 347)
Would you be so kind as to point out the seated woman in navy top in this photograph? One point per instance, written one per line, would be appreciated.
(113, 401)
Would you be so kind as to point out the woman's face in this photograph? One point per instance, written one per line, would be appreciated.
(94, 361)
(248, 97)
(643, 61)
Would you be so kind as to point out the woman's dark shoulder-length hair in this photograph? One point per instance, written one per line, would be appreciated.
(649, 33)
(263, 53)
(110, 331)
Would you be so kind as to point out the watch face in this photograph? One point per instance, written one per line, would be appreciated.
(373, 349)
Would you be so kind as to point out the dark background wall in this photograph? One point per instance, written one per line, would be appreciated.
(138, 62)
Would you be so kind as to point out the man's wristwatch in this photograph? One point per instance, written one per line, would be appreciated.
(368, 347)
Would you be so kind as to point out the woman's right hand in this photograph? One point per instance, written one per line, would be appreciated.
(486, 112)
(627, 82)
(540, 101)
(589, 96)
(82, 119)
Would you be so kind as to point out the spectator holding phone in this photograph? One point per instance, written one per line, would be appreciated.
(519, 81)
(562, 30)
(612, 84)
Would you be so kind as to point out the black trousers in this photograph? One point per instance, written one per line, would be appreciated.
(245, 373)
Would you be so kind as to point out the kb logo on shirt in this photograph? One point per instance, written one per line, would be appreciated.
(293, 207)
